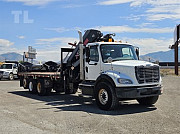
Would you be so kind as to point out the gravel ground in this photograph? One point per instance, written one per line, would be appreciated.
(22, 112)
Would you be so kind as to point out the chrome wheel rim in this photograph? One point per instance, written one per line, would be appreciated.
(103, 96)
(24, 82)
(39, 87)
(11, 77)
(30, 86)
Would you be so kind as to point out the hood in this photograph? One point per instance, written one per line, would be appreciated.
(131, 63)
(126, 67)
(6, 70)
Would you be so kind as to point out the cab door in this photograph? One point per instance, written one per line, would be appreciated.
(15, 70)
(92, 67)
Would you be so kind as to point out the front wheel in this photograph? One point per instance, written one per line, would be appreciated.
(11, 76)
(148, 100)
(105, 96)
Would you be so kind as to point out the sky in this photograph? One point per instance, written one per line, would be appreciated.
(48, 25)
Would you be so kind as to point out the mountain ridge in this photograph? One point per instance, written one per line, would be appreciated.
(13, 56)
(161, 56)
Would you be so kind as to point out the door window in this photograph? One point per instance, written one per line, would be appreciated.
(94, 55)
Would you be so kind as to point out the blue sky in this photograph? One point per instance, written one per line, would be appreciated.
(48, 25)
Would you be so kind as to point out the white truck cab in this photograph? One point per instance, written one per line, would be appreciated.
(120, 62)
(8, 71)
(116, 73)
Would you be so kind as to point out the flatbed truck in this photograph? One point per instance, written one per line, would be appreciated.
(109, 71)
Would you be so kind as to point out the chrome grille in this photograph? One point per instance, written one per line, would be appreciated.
(147, 74)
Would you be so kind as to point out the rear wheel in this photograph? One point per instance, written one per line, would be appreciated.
(11, 76)
(105, 96)
(25, 83)
(148, 100)
(32, 86)
(40, 88)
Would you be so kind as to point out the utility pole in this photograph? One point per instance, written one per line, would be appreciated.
(175, 47)
(176, 58)
(176, 50)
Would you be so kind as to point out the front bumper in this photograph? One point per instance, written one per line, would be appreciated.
(4, 76)
(138, 92)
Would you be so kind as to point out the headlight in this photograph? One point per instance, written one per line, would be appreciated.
(124, 81)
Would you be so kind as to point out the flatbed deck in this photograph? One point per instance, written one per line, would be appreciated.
(41, 74)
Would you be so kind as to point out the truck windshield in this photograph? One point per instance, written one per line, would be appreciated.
(118, 52)
(6, 66)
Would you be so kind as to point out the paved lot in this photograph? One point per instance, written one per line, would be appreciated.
(22, 112)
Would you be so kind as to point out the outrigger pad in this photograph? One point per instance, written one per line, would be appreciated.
(91, 36)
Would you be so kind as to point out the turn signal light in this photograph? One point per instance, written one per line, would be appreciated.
(110, 40)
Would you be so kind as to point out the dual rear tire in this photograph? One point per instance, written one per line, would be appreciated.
(41, 90)
(32, 86)
(36, 86)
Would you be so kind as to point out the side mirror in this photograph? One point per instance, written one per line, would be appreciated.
(137, 52)
(109, 60)
(87, 54)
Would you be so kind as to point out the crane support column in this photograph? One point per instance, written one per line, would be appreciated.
(81, 55)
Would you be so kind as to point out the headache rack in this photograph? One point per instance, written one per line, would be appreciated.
(147, 74)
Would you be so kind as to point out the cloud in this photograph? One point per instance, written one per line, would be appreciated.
(49, 48)
(21, 37)
(127, 29)
(32, 2)
(62, 40)
(62, 29)
(140, 2)
(5, 43)
(158, 10)
(73, 6)
(114, 2)
(132, 17)
(58, 29)
(149, 45)
(7, 46)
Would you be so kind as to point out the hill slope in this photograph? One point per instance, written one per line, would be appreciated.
(11, 56)
(162, 56)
